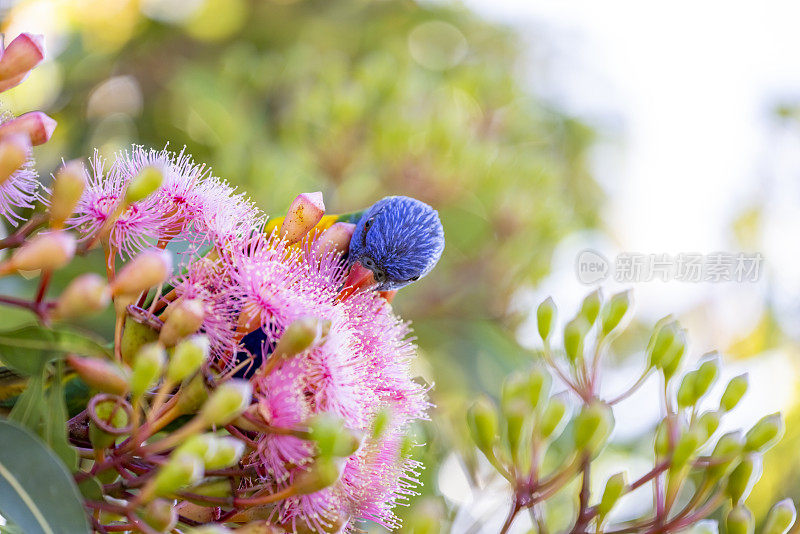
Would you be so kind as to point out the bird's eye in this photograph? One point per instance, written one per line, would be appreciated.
(368, 223)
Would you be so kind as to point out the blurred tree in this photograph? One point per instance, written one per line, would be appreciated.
(359, 99)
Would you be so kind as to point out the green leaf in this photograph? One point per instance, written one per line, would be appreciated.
(27, 349)
(54, 430)
(30, 407)
(37, 493)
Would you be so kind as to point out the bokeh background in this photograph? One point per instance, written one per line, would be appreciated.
(538, 128)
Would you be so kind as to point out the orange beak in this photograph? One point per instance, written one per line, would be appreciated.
(358, 279)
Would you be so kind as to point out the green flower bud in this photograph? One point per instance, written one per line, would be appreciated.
(299, 336)
(381, 422)
(114, 417)
(322, 473)
(227, 402)
(707, 373)
(615, 310)
(331, 436)
(707, 424)
(540, 383)
(102, 375)
(574, 333)
(661, 442)
(552, 417)
(592, 427)
(144, 184)
(515, 389)
(514, 417)
(200, 445)
(192, 395)
(739, 521)
(210, 529)
(686, 391)
(546, 317)
(482, 422)
(780, 518)
(590, 308)
(685, 448)
(227, 452)
(134, 336)
(147, 368)
(765, 433)
(185, 317)
(734, 392)
(213, 487)
(674, 355)
(86, 294)
(187, 357)
(661, 341)
(68, 186)
(160, 514)
(180, 471)
(615, 487)
(727, 449)
(739, 479)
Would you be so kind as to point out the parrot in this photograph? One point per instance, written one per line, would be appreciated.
(395, 242)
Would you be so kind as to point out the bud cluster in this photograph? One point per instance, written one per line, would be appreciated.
(531, 439)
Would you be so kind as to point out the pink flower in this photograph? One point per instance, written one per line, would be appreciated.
(134, 229)
(19, 191)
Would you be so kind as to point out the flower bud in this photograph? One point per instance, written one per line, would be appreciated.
(590, 308)
(331, 436)
(14, 150)
(615, 487)
(322, 473)
(335, 239)
(228, 452)
(765, 433)
(180, 471)
(593, 425)
(739, 521)
(100, 374)
(21, 56)
(147, 368)
(685, 448)
(85, 295)
(574, 333)
(187, 357)
(192, 395)
(661, 441)
(707, 424)
(37, 126)
(185, 317)
(539, 384)
(201, 445)
(734, 392)
(674, 355)
(546, 317)
(742, 478)
(482, 422)
(686, 396)
(727, 449)
(226, 402)
(514, 417)
(552, 417)
(213, 487)
(381, 422)
(113, 418)
(615, 310)
(780, 518)
(299, 336)
(660, 341)
(47, 251)
(144, 184)
(515, 389)
(135, 335)
(68, 186)
(149, 268)
(210, 529)
(707, 373)
(304, 214)
(160, 514)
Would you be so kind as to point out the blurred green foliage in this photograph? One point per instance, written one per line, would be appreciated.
(358, 99)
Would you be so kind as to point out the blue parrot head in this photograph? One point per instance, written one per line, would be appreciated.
(399, 239)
